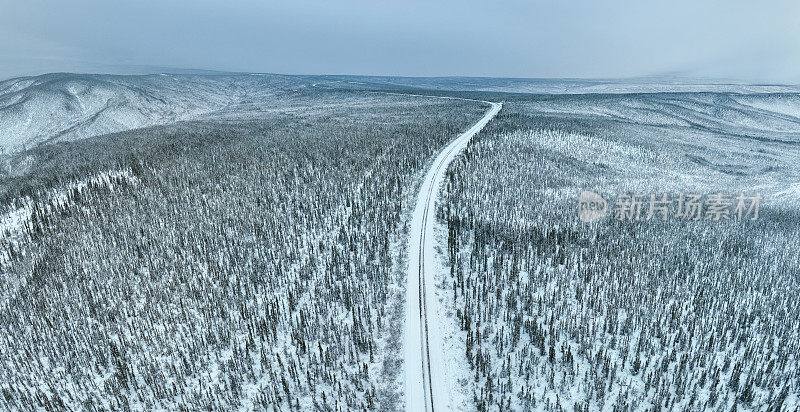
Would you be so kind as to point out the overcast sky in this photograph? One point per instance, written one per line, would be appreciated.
(748, 40)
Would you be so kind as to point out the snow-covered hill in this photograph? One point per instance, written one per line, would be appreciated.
(63, 107)
(60, 107)
(568, 86)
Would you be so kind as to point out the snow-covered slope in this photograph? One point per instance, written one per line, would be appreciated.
(569, 86)
(58, 107)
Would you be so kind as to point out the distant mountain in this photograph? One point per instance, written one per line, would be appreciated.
(570, 86)
(64, 107)
(61, 107)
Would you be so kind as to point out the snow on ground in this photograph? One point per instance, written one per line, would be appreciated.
(15, 220)
(456, 368)
(428, 382)
(20, 218)
(569, 86)
(63, 107)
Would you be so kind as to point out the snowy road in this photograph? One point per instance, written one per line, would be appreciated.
(427, 386)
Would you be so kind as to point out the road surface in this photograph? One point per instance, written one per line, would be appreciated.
(426, 383)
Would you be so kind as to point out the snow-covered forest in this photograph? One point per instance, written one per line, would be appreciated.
(239, 243)
(558, 314)
(417, 206)
(245, 262)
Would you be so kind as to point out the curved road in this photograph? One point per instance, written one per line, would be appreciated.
(426, 386)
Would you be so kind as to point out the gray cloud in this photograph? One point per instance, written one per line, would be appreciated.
(572, 38)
